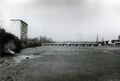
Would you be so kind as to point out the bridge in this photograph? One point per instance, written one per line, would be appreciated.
(71, 44)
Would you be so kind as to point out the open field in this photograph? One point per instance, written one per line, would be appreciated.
(66, 64)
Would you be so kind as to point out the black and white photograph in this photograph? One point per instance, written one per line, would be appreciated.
(59, 40)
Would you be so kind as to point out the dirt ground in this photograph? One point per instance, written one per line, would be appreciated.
(63, 64)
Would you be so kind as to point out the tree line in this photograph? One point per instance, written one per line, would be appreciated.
(38, 41)
(6, 38)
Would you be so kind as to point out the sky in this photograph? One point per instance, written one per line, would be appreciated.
(64, 20)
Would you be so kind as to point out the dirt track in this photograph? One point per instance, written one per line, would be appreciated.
(64, 64)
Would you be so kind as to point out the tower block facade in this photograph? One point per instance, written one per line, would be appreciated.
(21, 29)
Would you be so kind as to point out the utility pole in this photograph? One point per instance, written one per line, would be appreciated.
(97, 39)
(102, 39)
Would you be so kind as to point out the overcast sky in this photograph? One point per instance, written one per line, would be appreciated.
(65, 19)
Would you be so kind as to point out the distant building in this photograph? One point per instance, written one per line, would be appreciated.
(20, 28)
(116, 42)
(119, 37)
